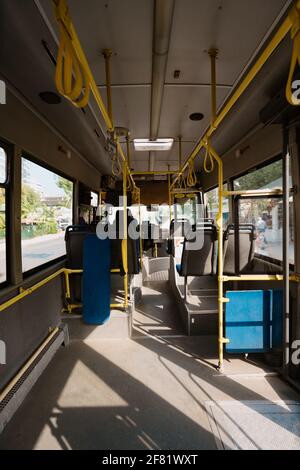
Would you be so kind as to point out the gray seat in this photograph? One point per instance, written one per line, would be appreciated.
(178, 228)
(240, 262)
(199, 259)
(74, 237)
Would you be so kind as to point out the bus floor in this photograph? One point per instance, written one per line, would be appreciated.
(152, 391)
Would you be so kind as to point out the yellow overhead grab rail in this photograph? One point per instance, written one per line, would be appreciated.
(294, 17)
(74, 79)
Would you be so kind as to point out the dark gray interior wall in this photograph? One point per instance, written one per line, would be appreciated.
(19, 125)
(25, 325)
(261, 147)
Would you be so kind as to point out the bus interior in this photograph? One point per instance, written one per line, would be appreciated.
(149, 216)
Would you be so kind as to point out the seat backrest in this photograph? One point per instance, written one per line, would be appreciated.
(198, 259)
(74, 237)
(247, 236)
(178, 229)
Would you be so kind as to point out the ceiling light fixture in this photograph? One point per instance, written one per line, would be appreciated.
(158, 145)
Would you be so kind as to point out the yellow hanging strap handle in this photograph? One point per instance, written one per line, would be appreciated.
(71, 78)
(295, 34)
(181, 183)
(191, 179)
(116, 167)
(208, 159)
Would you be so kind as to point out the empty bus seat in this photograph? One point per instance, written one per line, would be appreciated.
(178, 229)
(199, 261)
(74, 237)
(247, 237)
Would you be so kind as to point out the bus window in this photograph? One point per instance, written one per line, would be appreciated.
(267, 177)
(266, 213)
(3, 234)
(186, 209)
(212, 203)
(46, 207)
(3, 166)
(94, 199)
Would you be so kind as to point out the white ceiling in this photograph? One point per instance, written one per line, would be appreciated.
(236, 27)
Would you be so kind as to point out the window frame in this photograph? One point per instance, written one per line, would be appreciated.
(8, 148)
(48, 264)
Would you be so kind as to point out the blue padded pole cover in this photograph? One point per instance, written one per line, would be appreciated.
(96, 280)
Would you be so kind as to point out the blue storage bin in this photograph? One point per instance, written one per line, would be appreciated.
(253, 321)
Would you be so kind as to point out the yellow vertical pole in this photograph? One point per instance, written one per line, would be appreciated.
(213, 54)
(169, 193)
(128, 150)
(140, 222)
(221, 299)
(125, 240)
(107, 53)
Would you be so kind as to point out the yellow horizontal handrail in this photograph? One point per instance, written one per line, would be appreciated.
(24, 293)
(260, 277)
(257, 193)
(30, 290)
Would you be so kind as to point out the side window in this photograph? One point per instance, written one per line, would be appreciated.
(3, 214)
(94, 199)
(211, 199)
(46, 211)
(266, 213)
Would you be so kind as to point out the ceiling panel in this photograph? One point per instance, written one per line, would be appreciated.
(236, 28)
(125, 26)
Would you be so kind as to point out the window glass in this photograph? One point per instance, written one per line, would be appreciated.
(3, 166)
(94, 199)
(212, 204)
(46, 208)
(3, 261)
(189, 209)
(268, 177)
(266, 214)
